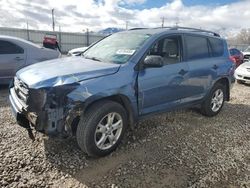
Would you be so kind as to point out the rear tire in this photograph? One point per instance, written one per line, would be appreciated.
(214, 101)
(101, 128)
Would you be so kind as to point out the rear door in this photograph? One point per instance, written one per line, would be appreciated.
(12, 58)
(204, 57)
(162, 88)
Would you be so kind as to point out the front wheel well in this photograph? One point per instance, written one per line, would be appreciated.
(121, 99)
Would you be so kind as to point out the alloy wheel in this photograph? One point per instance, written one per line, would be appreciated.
(217, 100)
(108, 130)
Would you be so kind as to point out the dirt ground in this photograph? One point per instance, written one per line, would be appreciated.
(177, 149)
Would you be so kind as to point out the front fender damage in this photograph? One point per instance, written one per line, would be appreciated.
(60, 112)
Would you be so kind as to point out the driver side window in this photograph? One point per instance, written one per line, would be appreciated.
(168, 48)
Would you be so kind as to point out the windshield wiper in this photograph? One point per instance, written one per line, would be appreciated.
(92, 58)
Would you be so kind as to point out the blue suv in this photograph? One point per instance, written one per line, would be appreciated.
(120, 80)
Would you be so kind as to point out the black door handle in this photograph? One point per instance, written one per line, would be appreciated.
(215, 67)
(182, 72)
(18, 58)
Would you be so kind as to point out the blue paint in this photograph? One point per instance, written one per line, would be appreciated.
(77, 82)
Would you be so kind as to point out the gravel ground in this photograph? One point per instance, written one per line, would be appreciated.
(178, 149)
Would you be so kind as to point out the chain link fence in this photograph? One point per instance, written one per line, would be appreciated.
(66, 40)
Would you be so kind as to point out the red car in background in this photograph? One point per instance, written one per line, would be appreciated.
(50, 41)
(237, 56)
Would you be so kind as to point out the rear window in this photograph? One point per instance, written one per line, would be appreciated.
(197, 47)
(232, 52)
(10, 48)
(217, 47)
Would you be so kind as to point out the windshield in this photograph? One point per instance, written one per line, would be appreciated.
(117, 48)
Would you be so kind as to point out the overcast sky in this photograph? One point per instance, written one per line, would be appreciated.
(77, 15)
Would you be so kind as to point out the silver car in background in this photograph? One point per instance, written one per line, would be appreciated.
(16, 53)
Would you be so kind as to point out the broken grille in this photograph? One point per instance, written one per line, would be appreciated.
(21, 90)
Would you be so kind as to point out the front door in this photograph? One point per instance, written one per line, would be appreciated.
(162, 88)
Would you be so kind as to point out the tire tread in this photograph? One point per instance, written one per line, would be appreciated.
(86, 123)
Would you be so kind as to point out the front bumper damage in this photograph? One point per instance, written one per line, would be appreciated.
(46, 110)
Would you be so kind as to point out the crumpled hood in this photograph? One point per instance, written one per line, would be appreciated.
(64, 71)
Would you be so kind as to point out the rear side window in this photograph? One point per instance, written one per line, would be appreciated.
(197, 47)
(217, 47)
(10, 48)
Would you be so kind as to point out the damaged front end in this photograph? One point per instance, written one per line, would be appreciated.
(48, 110)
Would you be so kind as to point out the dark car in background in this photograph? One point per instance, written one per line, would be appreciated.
(120, 80)
(237, 56)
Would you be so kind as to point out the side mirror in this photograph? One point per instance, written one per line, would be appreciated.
(153, 61)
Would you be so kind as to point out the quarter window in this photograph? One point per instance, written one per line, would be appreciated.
(197, 47)
(217, 47)
(10, 48)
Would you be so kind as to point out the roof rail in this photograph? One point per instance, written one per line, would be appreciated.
(191, 29)
(137, 28)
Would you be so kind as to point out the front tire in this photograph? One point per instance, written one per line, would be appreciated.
(101, 128)
(214, 101)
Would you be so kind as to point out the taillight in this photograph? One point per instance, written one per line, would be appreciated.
(233, 67)
(232, 59)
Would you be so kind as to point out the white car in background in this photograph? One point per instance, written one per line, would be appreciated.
(242, 73)
(246, 54)
(77, 51)
(16, 53)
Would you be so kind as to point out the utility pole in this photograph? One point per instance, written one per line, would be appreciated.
(27, 27)
(87, 35)
(126, 24)
(53, 19)
(162, 21)
(177, 22)
(60, 37)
